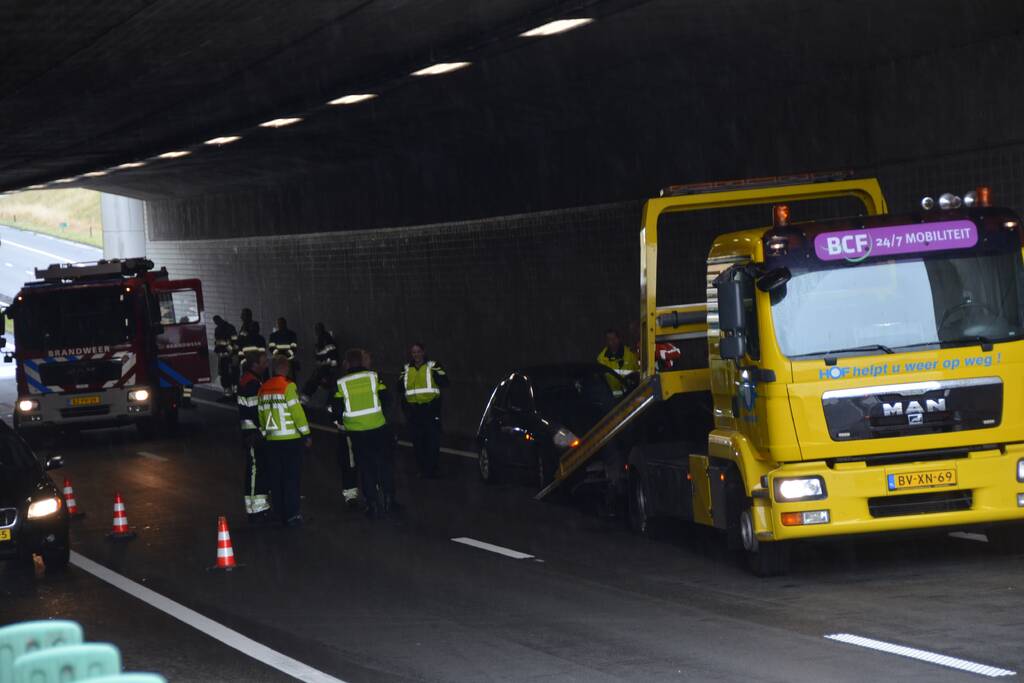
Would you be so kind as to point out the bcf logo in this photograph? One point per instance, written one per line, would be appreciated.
(848, 245)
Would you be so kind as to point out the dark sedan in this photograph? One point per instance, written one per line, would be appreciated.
(536, 413)
(33, 517)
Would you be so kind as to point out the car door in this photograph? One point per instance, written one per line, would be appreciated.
(183, 356)
(518, 426)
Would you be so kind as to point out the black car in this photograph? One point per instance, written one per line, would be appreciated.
(536, 413)
(33, 516)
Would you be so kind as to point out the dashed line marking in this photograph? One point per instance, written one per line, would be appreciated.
(968, 536)
(490, 547)
(332, 430)
(37, 251)
(922, 655)
(229, 637)
(152, 456)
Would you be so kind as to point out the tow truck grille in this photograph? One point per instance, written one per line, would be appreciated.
(85, 411)
(8, 516)
(919, 503)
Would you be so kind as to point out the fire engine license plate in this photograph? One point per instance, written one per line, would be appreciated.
(5, 534)
(922, 480)
(85, 401)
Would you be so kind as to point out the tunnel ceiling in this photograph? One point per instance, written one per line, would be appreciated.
(85, 87)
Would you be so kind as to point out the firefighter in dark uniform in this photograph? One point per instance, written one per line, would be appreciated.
(224, 335)
(326, 372)
(249, 340)
(253, 449)
(284, 342)
(422, 380)
(360, 402)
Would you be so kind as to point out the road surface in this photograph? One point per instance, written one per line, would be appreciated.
(21, 252)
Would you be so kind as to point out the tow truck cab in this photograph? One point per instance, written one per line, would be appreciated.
(106, 344)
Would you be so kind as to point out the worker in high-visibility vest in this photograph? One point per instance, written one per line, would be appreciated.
(620, 358)
(360, 401)
(422, 380)
(283, 424)
(253, 447)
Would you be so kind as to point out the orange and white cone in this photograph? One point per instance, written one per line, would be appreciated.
(120, 532)
(225, 553)
(69, 500)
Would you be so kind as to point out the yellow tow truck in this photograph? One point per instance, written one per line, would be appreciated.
(851, 376)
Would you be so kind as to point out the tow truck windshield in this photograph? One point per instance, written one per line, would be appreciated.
(90, 316)
(935, 299)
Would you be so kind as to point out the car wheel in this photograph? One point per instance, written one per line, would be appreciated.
(762, 559)
(486, 466)
(639, 505)
(56, 560)
(1006, 540)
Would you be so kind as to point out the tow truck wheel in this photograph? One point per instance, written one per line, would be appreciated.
(762, 559)
(486, 466)
(639, 505)
(1007, 539)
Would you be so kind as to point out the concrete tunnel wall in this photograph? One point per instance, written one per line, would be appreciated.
(488, 283)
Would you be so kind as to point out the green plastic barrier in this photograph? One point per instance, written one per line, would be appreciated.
(68, 663)
(31, 636)
(130, 678)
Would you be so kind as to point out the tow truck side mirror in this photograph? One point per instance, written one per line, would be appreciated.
(731, 319)
(773, 279)
(55, 462)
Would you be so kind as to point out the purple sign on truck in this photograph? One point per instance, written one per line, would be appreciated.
(857, 245)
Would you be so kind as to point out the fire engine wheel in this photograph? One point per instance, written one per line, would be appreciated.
(639, 505)
(762, 559)
(486, 466)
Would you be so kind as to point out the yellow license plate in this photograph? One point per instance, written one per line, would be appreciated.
(85, 401)
(5, 534)
(926, 479)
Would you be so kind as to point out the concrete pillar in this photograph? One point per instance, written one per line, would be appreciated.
(124, 226)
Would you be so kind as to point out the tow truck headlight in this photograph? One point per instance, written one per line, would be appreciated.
(26, 405)
(804, 488)
(43, 508)
(1020, 470)
(139, 395)
(563, 438)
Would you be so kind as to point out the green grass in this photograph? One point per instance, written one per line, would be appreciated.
(68, 214)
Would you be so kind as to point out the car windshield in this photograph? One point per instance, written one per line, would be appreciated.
(559, 395)
(900, 303)
(14, 455)
(71, 318)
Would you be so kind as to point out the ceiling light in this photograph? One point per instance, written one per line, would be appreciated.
(441, 68)
(553, 27)
(174, 155)
(353, 99)
(65, 180)
(94, 174)
(280, 123)
(225, 140)
(132, 164)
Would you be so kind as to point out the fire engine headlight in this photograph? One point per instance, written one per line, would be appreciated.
(139, 395)
(804, 488)
(1020, 470)
(27, 405)
(43, 508)
(563, 438)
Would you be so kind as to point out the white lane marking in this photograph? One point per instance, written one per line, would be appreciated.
(30, 273)
(152, 456)
(332, 430)
(507, 552)
(229, 637)
(37, 251)
(968, 536)
(922, 655)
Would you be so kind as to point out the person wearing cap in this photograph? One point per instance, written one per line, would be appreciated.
(283, 424)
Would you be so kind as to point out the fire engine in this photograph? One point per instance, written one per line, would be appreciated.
(106, 343)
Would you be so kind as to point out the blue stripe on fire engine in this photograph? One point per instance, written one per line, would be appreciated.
(173, 374)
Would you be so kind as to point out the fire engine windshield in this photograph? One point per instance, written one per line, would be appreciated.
(844, 300)
(89, 316)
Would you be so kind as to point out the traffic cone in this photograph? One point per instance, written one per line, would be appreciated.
(120, 532)
(69, 500)
(225, 553)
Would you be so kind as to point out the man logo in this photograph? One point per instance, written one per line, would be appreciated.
(913, 410)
